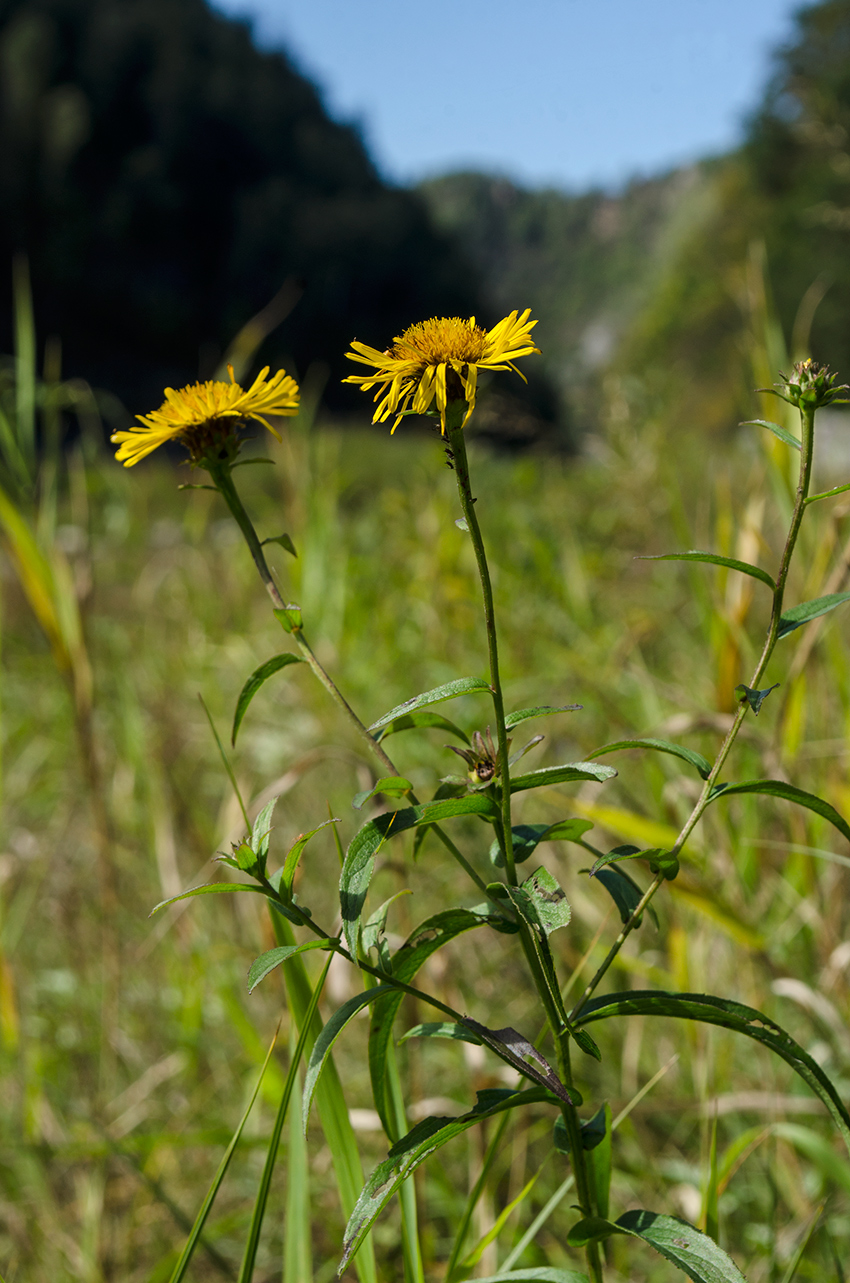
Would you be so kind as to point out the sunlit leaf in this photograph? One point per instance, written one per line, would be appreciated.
(782, 433)
(390, 786)
(778, 788)
(542, 710)
(729, 1015)
(266, 963)
(360, 857)
(807, 610)
(712, 558)
(688, 1248)
(661, 746)
(566, 774)
(411, 1151)
(451, 690)
(255, 681)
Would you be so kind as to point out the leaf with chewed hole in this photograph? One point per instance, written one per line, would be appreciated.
(693, 1252)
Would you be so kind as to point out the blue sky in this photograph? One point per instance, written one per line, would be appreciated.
(572, 93)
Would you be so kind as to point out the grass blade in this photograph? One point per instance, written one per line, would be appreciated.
(330, 1100)
(247, 1270)
(192, 1242)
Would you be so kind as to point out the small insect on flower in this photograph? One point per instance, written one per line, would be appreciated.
(438, 360)
(207, 417)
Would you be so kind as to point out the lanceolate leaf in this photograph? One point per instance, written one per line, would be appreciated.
(430, 936)
(565, 774)
(442, 1029)
(659, 861)
(462, 686)
(412, 1150)
(799, 615)
(543, 710)
(782, 433)
(778, 788)
(729, 1015)
(662, 746)
(255, 681)
(414, 721)
(294, 854)
(360, 859)
(390, 786)
(326, 1039)
(215, 888)
(731, 563)
(267, 962)
(693, 1252)
(527, 837)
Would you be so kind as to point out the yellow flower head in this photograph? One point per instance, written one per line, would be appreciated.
(439, 359)
(206, 415)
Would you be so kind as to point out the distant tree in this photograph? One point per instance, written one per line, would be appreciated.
(799, 154)
(166, 178)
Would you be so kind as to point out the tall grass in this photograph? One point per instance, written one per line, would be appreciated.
(107, 1151)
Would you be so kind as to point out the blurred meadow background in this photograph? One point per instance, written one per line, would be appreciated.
(174, 192)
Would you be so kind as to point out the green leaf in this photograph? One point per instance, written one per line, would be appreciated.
(272, 958)
(625, 893)
(326, 1039)
(246, 1272)
(527, 837)
(662, 746)
(565, 774)
(754, 698)
(693, 1252)
(548, 899)
(592, 1132)
(410, 1152)
(414, 721)
(799, 615)
(782, 433)
(255, 681)
(659, 861)
(543, 710)
(212, 888)
(599, 1162)
(778, 788)
(284, 541)
(390, 786)
(330, 1096)
(192, 1242)
(731, 563)
(293, 856)
(360, 858)
(428, 937)
(441, 1029)
(451, 690)
(728, 1015)
(828, 494)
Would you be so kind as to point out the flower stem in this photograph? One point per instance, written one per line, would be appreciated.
(455, 413)
(221, 474)
(807, 425)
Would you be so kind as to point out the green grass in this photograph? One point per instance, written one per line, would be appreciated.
(111, 1129)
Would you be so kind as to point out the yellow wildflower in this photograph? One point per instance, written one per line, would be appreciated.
(205, 415)
(439, 360)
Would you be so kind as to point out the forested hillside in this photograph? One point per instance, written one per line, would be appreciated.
(167, 179)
